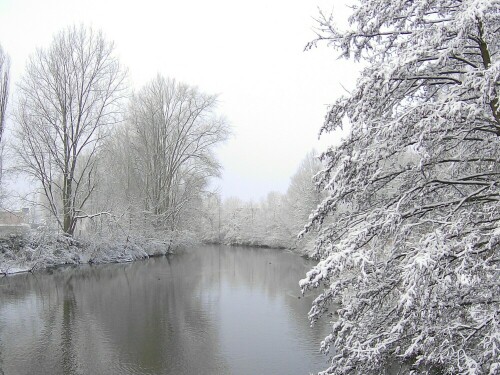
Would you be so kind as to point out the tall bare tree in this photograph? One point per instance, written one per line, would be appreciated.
(175, 129)
(4, 87)
(68, 99)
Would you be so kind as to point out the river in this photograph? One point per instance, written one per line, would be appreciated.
(207, 310)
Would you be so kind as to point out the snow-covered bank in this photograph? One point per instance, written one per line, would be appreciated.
(38, 250)
(303, 249)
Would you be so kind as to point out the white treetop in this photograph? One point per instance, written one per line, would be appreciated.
(411, 252)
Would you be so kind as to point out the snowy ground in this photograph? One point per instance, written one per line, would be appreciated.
(37, 250)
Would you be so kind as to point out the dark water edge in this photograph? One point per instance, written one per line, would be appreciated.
(303, 254)
(208, 310)
(246, 244)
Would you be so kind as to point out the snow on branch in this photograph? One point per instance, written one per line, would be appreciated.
(409, 233)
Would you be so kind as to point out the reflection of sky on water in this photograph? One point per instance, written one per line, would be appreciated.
(212, 310)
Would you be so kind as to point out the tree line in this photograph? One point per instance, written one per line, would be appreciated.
(406, 224)
(96, 150)
(275, 221)
(108, 160)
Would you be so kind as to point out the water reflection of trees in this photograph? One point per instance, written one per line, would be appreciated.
(156, 316)
(274, 274)
(132, 318)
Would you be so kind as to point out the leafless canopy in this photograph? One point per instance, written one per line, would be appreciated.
(68, 99)
(175, 130)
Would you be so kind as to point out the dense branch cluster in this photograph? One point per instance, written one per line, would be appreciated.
(160, 162)
(412, 256)
(175, 129)
(68, 99)
(100, 162)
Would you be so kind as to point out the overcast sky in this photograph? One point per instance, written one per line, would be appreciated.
(251, 53)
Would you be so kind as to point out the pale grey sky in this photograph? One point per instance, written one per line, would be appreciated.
(273, 93)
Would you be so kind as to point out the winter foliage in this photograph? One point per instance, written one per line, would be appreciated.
(409, 234)
(106, 160)
(68, 99)
(272, 222)
(156, 167)
(407, 216)
(110, 162)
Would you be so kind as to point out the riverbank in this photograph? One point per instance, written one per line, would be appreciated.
(305, 249)
(190, 307)
(32, 251)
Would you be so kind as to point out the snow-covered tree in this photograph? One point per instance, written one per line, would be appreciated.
(233, 221)
(174, 129)
(410, 250)
(210, 217)
(69, 98)
(273, 221)
(302, 197)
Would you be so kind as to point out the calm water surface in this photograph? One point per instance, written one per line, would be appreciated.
(209, 310)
